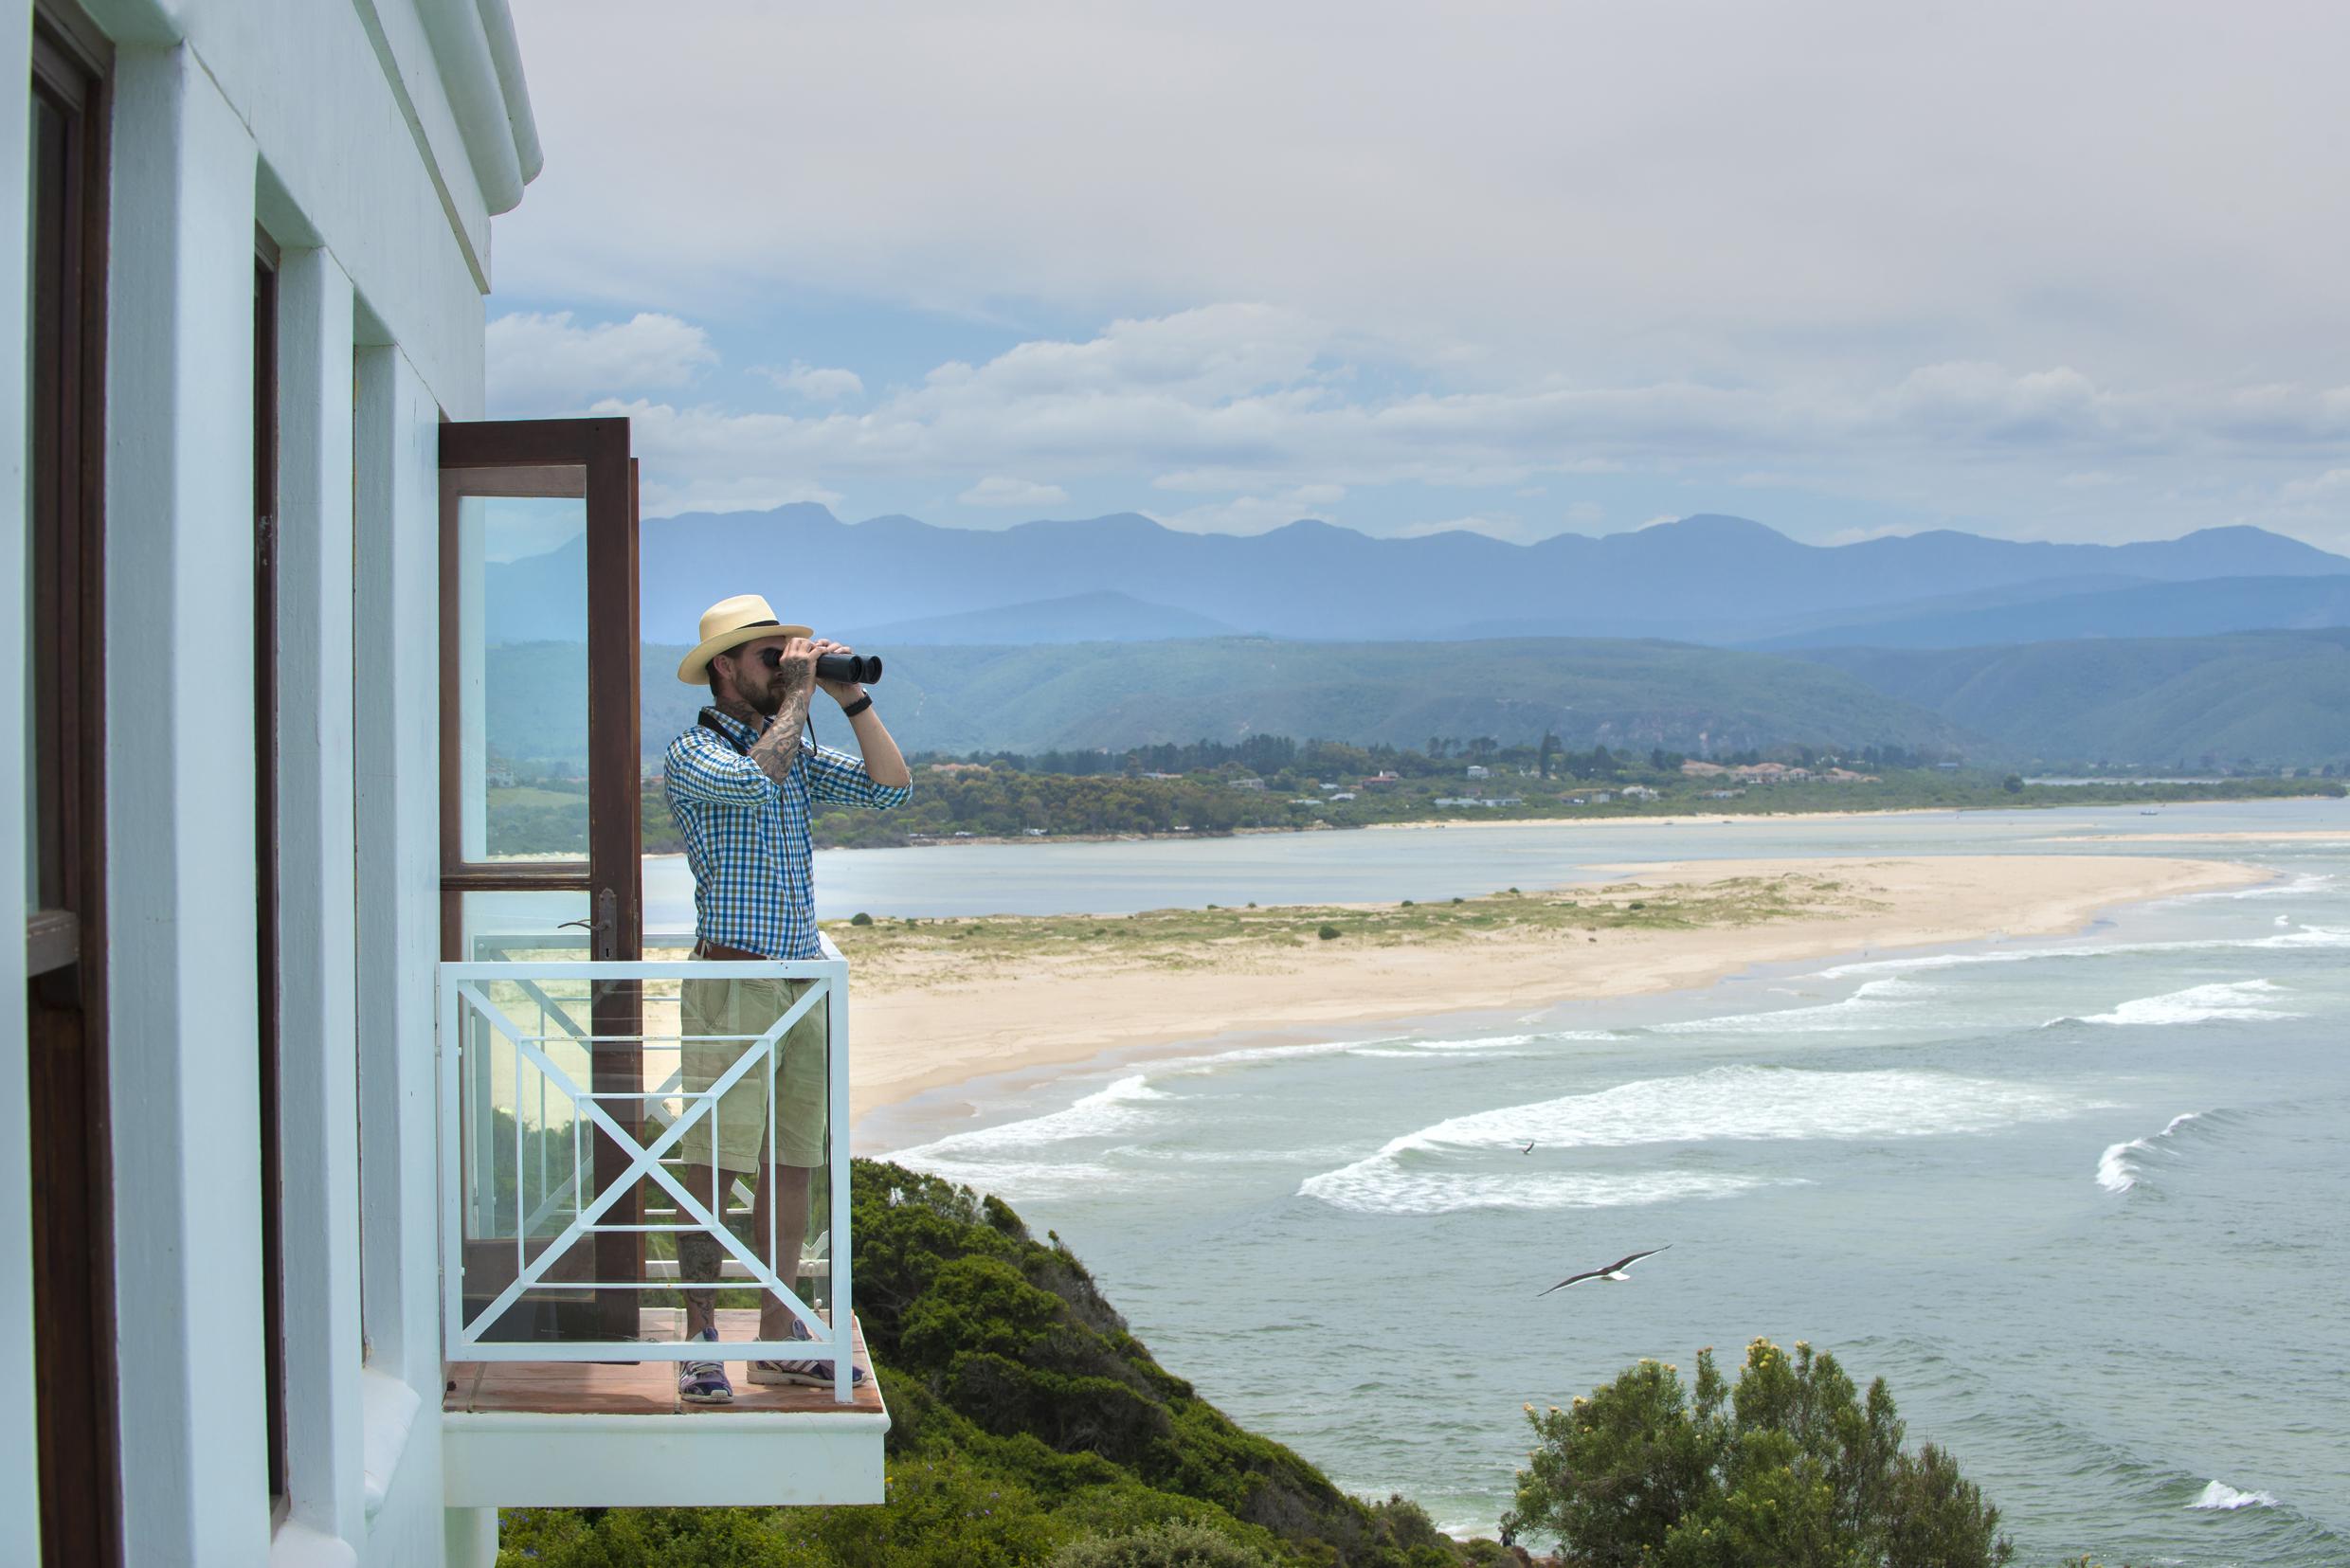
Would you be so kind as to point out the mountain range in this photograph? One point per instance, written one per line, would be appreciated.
(1707, 579)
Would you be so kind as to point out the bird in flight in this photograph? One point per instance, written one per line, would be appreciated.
(1529, 1146)
(1614, 1271)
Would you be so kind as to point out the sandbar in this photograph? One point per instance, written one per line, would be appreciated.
(932, 1007)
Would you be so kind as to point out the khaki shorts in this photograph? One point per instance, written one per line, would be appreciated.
(750, 1007)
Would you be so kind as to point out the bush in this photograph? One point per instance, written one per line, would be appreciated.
(1792, 1468)
(1327, 932)
(861, 918)
(1174, 1544)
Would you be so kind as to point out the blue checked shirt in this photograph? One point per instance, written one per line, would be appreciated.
(747, 837)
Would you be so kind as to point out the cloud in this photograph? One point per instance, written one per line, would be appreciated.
(1504, 526)
(1265, 416)
(996, 490)
(1256, 513)
(1888, 175)
(2334, 481)
(814, 383)
(542, 364)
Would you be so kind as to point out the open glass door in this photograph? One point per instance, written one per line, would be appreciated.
(541, 840)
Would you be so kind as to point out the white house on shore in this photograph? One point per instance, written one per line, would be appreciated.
(345, 1140)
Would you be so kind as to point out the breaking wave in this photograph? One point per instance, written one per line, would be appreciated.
(2117, 1172)
(1877, 1003)
(2238, 1000)
(2223, 1498)
(2307, 936)
(1446, 1165)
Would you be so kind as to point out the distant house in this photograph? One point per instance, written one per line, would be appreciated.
(1381, 780)
(1507, 799)
(1476, 772)
(1640, 792)
(1344, 795)
(1603, 798)
(1724, 794)
(1248, 784)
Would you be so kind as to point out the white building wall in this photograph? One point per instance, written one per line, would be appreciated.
(181, 846)
(333, 124)
(345, 100)
(19, 1497)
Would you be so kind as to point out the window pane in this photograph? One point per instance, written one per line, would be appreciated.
(44, 395)
(523, 677)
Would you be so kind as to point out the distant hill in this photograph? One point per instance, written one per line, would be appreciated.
(1705, 579)
(2273, 696)
(1074, 695)
(1105, 617)
(2144, 609)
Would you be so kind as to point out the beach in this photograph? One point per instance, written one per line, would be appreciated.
(931, 1010)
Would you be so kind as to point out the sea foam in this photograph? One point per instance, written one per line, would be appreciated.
(2238, 1000)
(1450, 1164)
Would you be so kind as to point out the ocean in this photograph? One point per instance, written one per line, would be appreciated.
(2081, 1201)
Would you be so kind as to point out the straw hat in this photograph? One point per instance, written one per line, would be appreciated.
(726, 626)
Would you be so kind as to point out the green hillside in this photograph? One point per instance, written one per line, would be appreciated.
(1623, 695)
(1025, 1421)
(2273, 697)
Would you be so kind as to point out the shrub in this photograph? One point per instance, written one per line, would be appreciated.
(1791, 1467)
(1327, 932)
(1174, 1544)
(861, 918)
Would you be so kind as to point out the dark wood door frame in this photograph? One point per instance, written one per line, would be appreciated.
(266, 923)
(67, 1084)
(613, 877)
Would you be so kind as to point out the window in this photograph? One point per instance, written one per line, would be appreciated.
(63, 664)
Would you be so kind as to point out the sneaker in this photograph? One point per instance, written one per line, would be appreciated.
(805, 1374)
(704, 1383)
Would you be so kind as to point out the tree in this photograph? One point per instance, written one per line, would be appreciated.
(2013, 783)
(1792, 1468)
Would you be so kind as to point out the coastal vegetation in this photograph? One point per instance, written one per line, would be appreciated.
(1030, 1427)
(1794, 1467)
(1214, 937)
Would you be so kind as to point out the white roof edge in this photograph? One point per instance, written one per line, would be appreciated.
(473, 42)
(506, 53)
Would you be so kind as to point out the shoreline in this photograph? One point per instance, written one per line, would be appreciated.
(1615, 818)
(947, 1025)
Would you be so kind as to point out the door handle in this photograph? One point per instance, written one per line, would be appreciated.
(608, 925)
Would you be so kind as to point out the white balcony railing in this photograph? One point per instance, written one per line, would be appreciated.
(569, 1200)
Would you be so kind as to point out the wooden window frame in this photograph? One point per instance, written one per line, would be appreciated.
(524, 453)
(67, 1088)
(268, 1035)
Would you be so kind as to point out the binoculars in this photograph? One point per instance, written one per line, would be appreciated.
(865, 669)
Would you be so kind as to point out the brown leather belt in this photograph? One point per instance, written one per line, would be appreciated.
(730, 955)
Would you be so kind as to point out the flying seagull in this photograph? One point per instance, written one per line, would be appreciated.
(1614, 1271)
(1529, 1146)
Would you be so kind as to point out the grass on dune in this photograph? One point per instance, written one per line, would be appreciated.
(1180, 939)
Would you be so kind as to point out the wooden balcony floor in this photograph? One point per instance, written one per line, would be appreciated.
(645, 1388)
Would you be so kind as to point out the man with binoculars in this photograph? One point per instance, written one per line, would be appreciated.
(741, 783)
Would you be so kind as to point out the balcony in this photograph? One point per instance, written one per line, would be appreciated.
(597, 1160)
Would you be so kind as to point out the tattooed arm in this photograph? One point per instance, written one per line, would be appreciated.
(793, 681)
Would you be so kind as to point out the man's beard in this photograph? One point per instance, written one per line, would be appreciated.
(767, 700)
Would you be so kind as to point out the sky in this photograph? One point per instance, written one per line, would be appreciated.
(2064, 271)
